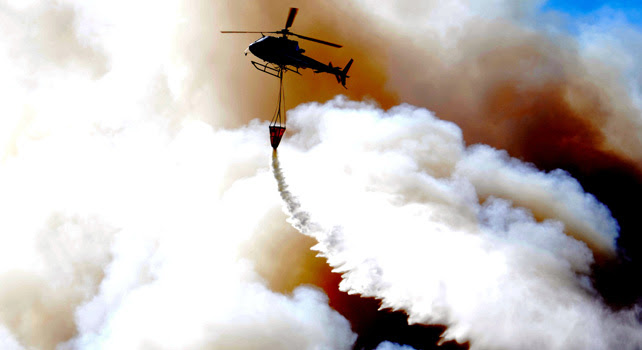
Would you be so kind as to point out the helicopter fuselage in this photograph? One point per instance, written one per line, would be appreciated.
(285, 52)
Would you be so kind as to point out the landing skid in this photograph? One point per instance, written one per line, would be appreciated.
(272, 69)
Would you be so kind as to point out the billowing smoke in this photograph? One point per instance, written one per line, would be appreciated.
(454, 235)
(140, 209)
(134, 241)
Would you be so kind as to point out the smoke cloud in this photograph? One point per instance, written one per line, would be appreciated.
(431, 238)
(139, 254)
(139, 208)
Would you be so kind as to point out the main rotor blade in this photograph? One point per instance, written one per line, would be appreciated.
(316, 40)
(291, 15)
(237, 31)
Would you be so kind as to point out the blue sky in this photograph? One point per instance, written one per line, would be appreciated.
(631, 9)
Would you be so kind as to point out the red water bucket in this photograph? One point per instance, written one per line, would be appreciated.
(276, 133)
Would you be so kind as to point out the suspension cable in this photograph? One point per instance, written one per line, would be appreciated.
(279, 115)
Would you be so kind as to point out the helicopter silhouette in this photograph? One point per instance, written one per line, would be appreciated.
(280, 55)
(283, 54)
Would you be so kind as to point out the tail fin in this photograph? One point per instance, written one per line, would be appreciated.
(342, 75)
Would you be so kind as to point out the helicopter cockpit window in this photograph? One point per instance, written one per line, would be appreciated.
(295, 46)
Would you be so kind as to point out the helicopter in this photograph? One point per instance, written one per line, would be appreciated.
(283, 54)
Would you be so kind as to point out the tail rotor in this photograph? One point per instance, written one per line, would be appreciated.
(342, 75)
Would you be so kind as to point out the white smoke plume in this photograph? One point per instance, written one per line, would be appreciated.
(140, 247)
(447, 233)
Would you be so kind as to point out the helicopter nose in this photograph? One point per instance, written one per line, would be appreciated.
(254, 48)
(260, 47)
(246, 50)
